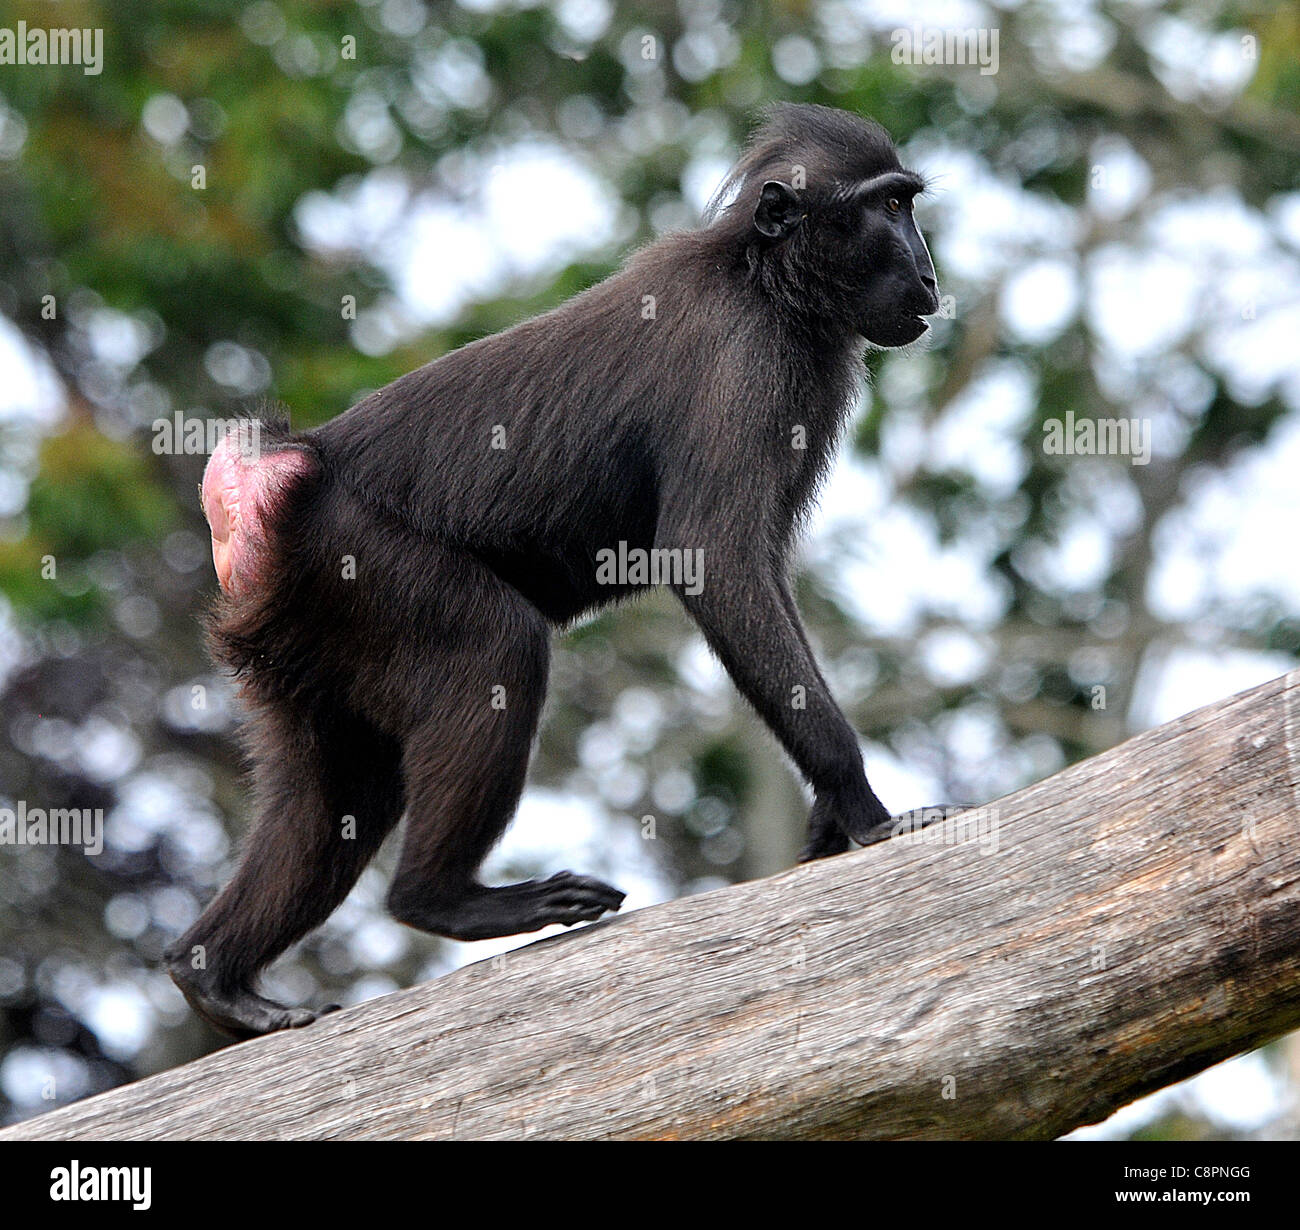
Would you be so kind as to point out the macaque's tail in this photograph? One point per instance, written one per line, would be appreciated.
(244, 485)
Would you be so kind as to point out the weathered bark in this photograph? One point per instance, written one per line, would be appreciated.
(1139, 920)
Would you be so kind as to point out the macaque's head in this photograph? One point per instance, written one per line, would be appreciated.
(824, 207)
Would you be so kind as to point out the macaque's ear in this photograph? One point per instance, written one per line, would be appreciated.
(778, 211)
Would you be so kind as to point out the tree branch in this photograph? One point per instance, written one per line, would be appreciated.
(1125, 924)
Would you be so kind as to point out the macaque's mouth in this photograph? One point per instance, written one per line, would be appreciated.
(899, 330)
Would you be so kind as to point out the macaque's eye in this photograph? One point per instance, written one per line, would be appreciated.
(893, 205)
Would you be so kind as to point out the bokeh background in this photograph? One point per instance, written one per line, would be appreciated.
(1115, 217)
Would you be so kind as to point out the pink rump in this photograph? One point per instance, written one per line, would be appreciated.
(239, 493)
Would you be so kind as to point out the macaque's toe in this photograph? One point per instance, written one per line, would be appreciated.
(568, 898)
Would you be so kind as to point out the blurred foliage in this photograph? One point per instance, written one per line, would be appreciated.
(171, 298)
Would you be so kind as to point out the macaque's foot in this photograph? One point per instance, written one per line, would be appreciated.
(823, 844)
(241, 1013)
(866, 823)
(826, 838)
(483, 913)
(833, 824)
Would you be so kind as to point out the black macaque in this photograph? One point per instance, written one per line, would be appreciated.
(387, 575)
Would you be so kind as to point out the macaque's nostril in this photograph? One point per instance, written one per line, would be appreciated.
(932, 293)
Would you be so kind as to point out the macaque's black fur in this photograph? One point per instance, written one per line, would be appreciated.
(669, 422)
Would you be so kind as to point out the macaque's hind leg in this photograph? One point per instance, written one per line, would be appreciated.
(329, 789)
(242, 1013)
(477, 912)
(464, 767)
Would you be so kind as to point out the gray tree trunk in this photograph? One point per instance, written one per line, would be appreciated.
(1119, 926)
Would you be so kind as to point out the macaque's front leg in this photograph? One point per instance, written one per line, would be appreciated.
(750, 622)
